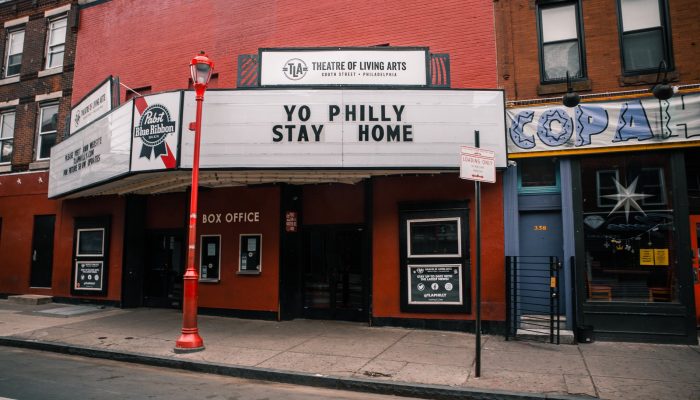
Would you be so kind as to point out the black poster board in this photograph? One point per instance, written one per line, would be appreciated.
(435, 284)
(89, 275)
(250, 255)
(210, 258)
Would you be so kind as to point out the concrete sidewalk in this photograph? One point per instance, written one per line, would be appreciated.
(409, 362)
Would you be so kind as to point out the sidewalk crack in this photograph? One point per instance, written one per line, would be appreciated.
(590, 376)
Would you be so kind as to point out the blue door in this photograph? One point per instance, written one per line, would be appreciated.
(540, 235)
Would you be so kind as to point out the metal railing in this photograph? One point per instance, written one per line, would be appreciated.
(532, 298)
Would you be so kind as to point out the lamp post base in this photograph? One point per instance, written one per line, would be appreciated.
(189, 343)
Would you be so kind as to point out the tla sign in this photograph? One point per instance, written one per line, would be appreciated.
(397, 66)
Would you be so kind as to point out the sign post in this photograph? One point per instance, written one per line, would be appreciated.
(477, 165)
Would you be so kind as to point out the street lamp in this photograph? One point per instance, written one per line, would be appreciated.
(200, 68)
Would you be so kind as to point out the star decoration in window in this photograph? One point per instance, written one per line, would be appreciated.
(627, 198)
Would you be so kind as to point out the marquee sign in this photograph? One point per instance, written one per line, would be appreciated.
(156, 132)
(344, 128)
(397, 66)
(96, 104)
(604, 125)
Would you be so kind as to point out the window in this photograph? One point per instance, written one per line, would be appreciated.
(13, 53)
(538, 175)
(629, 240)
(48, 124)
(7, 134)
(644, 36)
(561, 46)
(56, 42)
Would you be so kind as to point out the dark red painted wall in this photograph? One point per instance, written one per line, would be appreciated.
(150, 43)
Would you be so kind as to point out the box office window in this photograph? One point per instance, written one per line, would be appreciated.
(210, 258)
(561, 44)
(643, 35)
(433, 257)
(630, 247)
(250, 254)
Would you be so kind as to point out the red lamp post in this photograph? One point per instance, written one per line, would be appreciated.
(201, 68)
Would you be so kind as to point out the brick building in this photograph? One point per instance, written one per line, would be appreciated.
(38, 47)
(609, 186)
(335, 199)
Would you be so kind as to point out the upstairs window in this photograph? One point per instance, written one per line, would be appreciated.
(644, 35)
(7, 134)
(13, 53)
(561, 46)
(56, 42)
(48, 125)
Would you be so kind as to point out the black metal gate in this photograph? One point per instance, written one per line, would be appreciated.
(532, 298)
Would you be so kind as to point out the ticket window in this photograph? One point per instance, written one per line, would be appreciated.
(250, 254)
(210, 258)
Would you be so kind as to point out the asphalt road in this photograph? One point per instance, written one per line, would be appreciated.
(30, 374)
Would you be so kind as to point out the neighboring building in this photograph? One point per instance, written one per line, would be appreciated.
(339, 202)
(609, 186)
(38, 49)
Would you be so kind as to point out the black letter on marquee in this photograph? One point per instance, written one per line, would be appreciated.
(276, 131)
(289, 111)
(333, 110)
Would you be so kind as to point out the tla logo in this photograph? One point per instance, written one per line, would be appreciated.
(295, 69)
(153, 128)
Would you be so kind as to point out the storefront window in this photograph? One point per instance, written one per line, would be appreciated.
(628, 229)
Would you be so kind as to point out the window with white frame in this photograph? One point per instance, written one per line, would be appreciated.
(56, 42)
(605, 186)
(644, 36)
(48, 124)
(7, 134)
(13, 53)
(561, 47)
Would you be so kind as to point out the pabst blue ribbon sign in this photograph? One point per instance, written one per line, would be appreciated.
(610, 124)
(155, 134)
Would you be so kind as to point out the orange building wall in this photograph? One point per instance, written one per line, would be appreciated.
(388, 192)
(333, 204)
(243, 292)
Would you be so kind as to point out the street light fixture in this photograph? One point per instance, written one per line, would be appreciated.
(200, 68)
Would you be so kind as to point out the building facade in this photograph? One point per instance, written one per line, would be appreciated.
(38, 46)
(339, 198)
(607, 185)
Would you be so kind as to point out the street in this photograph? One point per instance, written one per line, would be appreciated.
(30, 374)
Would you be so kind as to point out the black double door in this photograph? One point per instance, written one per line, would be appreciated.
(164, 268)
(334, 283)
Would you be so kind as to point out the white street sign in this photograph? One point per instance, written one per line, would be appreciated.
(477, 164)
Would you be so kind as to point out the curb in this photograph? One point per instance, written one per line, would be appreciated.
(437, 392)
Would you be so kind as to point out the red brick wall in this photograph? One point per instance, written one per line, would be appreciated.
(518, 58)
(150, 43)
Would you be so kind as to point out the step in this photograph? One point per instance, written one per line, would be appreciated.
(542, 335)
(30, 299)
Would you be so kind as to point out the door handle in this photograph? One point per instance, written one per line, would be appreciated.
(34, 255)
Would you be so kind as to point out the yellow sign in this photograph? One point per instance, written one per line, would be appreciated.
(646, 256)
(661, 257)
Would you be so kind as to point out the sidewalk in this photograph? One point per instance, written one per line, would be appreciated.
(409, 362)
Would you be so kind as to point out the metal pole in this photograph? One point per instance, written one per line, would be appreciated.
(190, 340)
(477, 195)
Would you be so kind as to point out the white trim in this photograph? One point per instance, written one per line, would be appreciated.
(15, 22)
(77, 243)
(5, 167)
(7, 81)
(49, 96)
(599, 196)
(201, 254)
(51, 71)
(258, 270)
(56, 11)
(9, 103)
(459, 238)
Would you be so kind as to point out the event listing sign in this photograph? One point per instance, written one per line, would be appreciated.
(399, 66)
